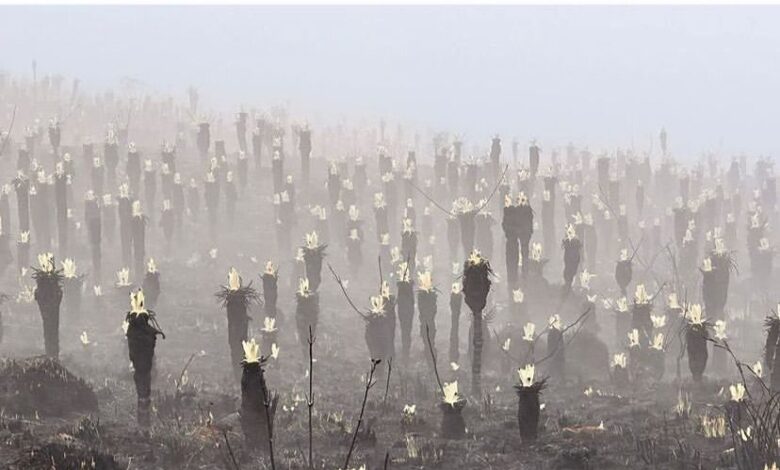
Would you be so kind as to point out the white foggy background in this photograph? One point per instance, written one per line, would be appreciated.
(596, 76)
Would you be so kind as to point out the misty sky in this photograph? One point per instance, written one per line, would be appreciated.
(602, 76)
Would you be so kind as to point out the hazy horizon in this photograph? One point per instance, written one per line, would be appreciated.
(597, 76)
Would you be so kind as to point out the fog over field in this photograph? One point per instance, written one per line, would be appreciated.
(601, 76)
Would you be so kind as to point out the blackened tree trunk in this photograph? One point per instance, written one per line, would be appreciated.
(257, 143)
(484, 233)
(528, 411)
(139, 243)
(151, 288)
(141, 341)
(571, 261)
(150, 188)
(270, 294)
(623, 274)
(380, 332)
(22, 254)
(48, 295)
(456, 301)
(254, 399)
(111, 155)
(92, 218)
(133, 170)
(426, 304)
(212, 203)
(5, 210)
(241, 130)
(304, 146)
(467, 222)
(22, 185)
(405, 316)
(557, 353)
(238, 324)
(476, 286)
(453, 426)
(125, 213)
(61, 201)
(696, 342)
(312, 258)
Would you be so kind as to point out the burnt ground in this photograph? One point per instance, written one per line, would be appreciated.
(195, 411)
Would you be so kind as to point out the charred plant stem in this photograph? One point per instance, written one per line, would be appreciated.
(369, 384)
(230, 450)
(341, 285)
(433, 359)
(310, 398)
(387, 382)
(269, 422)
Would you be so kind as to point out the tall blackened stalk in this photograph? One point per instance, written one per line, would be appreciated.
(641, 319)
(236, 298)
(23, 251)
(572, 250)
(380, 325)
(48, 295)
(456, 302)
(556, 348)
(241, 119)
(92, 217)
(22, 186)
(61, 203)
(405, 291)
(231, 197)
(409, 243)
(696, 336)
(772, 349)
(518, 225)
(467, 218)
(204, 140)
(142, 332)
(111, 155)
(151, 283)
(623, 272)
(125, 214)
(528, 406)
(270, 278)
(258, 136)
(476, 286)
(138, 224)
(133, 169)
(304, 146)
(715, 282)
(313, 254)
(258, 405)
(5, 210)
(211, 194)
(426, 304)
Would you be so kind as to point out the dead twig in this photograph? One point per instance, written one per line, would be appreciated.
(344, 290)
(369, 383)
